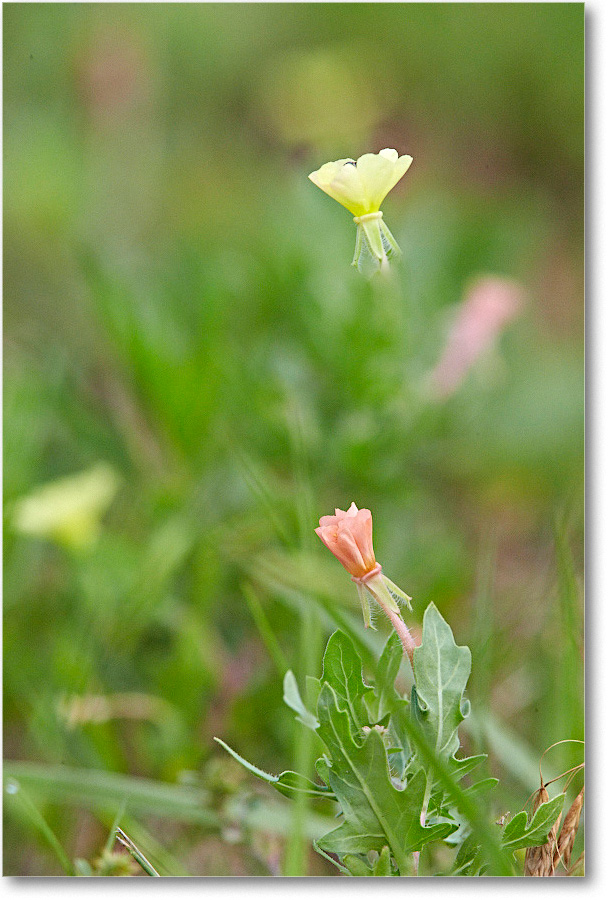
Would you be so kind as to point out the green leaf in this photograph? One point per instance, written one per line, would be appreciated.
(381, 867)
(342, 670)
(96, 789)
(291, 696)
(387, 701)
(519, 833)
(386, 695)
(136, 853)
(481, 787)
(486, 835)
(288, 783)
(313, 689)
(442, 671)
(469, 860)
(461, 767)
(334, 862)
(439, 802)
(375, 812)
(357, 866)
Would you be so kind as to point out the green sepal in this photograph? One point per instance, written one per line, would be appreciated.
(397, 593)
(365, 608)
(381, 594)
(372, 233)
(374, 245)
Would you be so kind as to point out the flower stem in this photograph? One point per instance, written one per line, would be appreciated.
(377, 587)
(403, 631)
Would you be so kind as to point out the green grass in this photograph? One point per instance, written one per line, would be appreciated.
(179, 304)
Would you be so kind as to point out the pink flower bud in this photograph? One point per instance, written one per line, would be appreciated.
(349, 537)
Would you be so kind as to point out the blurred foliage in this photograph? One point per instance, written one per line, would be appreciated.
(179, 307)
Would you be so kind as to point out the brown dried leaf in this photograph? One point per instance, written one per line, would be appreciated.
(538, 861)
(578, 868)
(568, 832)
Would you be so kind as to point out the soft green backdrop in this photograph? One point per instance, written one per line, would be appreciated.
(178, 304)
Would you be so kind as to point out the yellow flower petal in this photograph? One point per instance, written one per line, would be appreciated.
(379, 173)
(362, 186)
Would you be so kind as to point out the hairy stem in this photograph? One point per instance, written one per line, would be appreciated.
(402, 630)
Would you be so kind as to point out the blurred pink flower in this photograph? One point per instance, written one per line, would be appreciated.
(349, 537)
(490, 304)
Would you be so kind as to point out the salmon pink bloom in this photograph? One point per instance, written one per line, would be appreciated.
(348, 535)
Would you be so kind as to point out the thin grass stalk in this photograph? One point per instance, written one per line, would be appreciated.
(308, 651)
(14, 789)
(136, 853)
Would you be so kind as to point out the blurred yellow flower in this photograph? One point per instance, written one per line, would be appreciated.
(361, 186)
(68, 510)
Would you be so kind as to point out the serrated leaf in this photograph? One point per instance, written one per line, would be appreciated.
(375, 812)
(342, 669)
(461, 767)
(322, 767)
(288, 783)
(385, 693)
(519, 833)
(428, 760)
(291, 696)
(442, 671)
(440, 804)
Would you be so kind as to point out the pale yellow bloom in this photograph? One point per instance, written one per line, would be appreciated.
(68, 510)
(361, 186)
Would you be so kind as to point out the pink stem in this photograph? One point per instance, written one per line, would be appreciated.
(402, 630)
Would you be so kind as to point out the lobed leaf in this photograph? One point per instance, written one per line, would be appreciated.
(376, 813)
(442, 671)
(519, 833)
(343, 671)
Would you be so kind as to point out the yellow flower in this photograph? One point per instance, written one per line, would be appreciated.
(361, 187)
(68, 510)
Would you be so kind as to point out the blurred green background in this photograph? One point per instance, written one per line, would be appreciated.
(182, 322)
